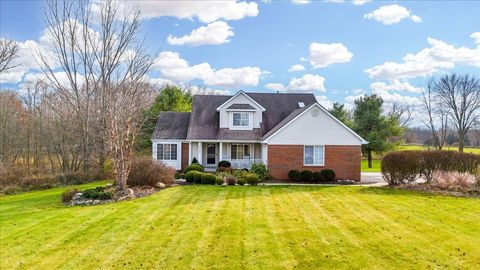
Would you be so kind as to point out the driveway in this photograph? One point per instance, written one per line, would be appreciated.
(372, 178)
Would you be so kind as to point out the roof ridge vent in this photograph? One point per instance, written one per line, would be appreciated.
(301, 104)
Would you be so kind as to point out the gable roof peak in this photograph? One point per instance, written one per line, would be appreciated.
(241, 92)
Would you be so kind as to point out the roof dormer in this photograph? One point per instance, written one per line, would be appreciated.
(240, 112)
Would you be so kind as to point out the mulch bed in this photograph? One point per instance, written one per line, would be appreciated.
(456, 191)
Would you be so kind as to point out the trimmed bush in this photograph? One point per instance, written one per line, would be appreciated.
(148, 172)
(224, 164)
(317, 176)
(208, 179)
(225, 169)
(261, 170)
(328, 175)
(294, 175)
(193, 167)
(241, 181)
(231, 180)
(194, 161)
(197, 177)
(401, 166)
(306, 175)
(67, 195)
(252, 179)
(189, 176)
(219, 181)
(405, 166)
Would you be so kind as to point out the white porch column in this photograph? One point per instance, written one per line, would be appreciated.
(220, 152)
(265, 154)
(189, 152)
(199, 154)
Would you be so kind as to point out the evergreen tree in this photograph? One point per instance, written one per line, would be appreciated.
(338, 110)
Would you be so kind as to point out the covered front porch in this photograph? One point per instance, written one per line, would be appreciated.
(240, 154)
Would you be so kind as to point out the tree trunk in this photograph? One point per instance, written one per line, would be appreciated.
(369, 155)
(461, 142)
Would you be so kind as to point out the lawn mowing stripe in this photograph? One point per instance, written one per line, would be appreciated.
(134, 226)
(160, 207)
(201, 248)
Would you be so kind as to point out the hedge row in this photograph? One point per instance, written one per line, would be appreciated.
(406, 166)
(325, 175)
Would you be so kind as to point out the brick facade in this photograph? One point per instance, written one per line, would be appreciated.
(345, 160)
(185, 160)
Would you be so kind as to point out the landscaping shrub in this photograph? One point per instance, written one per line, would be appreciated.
(224, 164)
(193, 167)
(67, 195)
(208, 179)
(146, 171)
(453, 180)
(219, 181)
(189, 176)
(97, 193)
(252, 179)
(317, 176)
(401, 167)
(328, 175)
(194, 161)
(197, 177)
(225, 169)
(241, 181)
(231, 180)
(405, 166)
(294, 175)
(261, 170)
(306, 175)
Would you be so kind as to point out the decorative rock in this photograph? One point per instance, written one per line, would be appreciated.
(160, 185)
(109, 185)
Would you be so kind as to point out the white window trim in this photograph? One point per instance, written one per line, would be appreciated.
(167, 143)
(323, 155)
(250, 121)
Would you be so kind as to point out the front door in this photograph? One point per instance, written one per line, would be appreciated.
(211, 154)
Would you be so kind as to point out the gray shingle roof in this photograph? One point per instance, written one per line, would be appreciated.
(238, 106)
(171, 125)
(204, 118)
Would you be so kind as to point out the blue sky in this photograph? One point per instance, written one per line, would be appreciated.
(344, 48)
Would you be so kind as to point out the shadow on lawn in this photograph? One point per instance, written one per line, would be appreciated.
(391, 191)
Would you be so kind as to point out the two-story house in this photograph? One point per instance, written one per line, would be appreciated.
(281, 130)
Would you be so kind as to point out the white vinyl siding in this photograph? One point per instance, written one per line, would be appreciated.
(314, 155)
(168, 151)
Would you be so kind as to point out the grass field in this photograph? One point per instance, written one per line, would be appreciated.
(375, 165)
(264, 227)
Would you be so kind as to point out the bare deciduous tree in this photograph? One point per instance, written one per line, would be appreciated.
(8, 52)
(437, 121)
(460, 94)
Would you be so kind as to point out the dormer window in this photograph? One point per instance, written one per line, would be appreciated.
(241, 119)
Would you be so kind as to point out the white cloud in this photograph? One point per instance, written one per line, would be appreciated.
(275, 86)
(325, 102)
(205, 12)
(391, 14)
(395, 85)
(300, 2)
(439, 56)
(295, 68)
(476, 37)
(322, 55)
(213, 34)
(175, 68)
(306, 83)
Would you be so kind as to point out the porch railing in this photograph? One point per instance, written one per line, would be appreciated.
(242, 163)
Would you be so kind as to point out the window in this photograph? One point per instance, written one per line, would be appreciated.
(166, 151)
(240, 151)
(241, 119)
(313, 155)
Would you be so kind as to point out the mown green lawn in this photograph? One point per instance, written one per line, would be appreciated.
(375, 166)
(264, 227)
